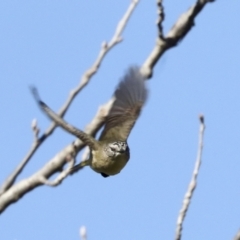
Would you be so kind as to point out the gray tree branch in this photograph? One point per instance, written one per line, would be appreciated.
(55, 165)
(193, 183)
(177, 33)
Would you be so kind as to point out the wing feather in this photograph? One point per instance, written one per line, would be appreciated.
(130, 96)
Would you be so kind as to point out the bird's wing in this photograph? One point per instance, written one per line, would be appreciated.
(87, 139)
(130, 97)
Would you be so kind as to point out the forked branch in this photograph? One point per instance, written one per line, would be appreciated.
(177, 33)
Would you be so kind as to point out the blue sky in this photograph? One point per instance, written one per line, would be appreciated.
(50, 44)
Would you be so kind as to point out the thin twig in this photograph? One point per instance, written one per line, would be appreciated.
(189, 194)
(161, 16)
(177, 33)
(12, 177)
(35, 129)
(61, 176)
(106, 47)
(117, 38)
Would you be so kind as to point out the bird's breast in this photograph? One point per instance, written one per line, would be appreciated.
(102, 163)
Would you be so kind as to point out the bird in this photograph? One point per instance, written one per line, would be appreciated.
(109, 155)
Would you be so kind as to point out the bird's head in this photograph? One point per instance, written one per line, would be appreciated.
(117, 148)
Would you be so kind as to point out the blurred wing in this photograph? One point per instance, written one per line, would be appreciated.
(130, 97)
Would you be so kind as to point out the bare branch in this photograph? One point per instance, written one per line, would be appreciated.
(189, 194)
(161, 16)
(63, 174)
(55, 165)
(106, 47)
(35, 129)
(177, 33)
(12, 177)
(14, 193)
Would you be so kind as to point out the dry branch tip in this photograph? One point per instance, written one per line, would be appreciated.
(193, 183)
(201, 118)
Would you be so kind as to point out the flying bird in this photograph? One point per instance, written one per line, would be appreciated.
(109, 155)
